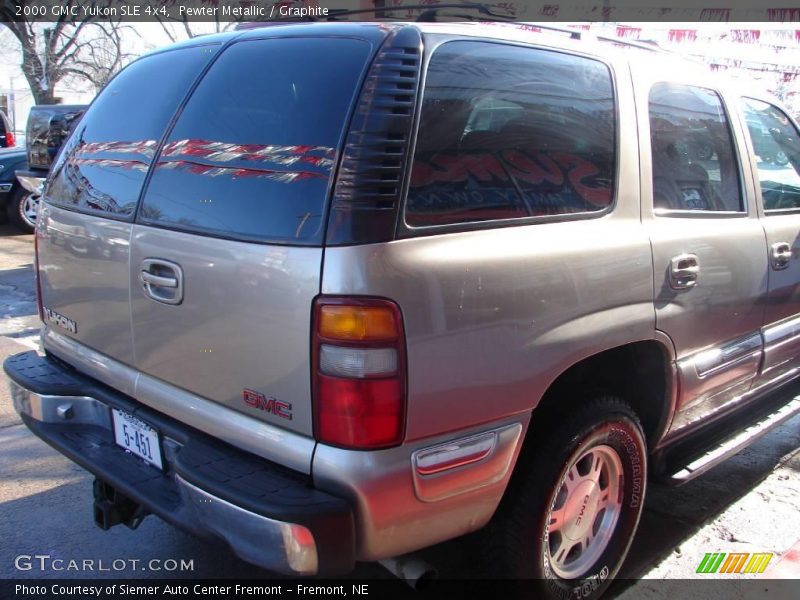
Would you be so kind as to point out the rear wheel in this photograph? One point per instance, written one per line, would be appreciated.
(22, 208)
(573, 507)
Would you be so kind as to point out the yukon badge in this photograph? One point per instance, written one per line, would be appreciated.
(279, 408)
(60, 320)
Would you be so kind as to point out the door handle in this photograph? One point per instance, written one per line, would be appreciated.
(162, 280)
(683, 271)
(169, 282)
(780, 255)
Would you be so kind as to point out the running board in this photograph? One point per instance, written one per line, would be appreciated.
(732, 445)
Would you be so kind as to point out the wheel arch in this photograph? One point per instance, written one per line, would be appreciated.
(642, 373)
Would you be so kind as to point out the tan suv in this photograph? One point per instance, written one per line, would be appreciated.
(334, 292)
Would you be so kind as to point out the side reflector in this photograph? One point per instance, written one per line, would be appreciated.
(456, 454)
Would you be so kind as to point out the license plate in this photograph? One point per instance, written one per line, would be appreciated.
(137, 437)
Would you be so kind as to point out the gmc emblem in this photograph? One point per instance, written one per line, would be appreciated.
(279, 408)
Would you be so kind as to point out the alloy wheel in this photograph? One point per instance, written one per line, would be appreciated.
(28, 208)
(585, 511)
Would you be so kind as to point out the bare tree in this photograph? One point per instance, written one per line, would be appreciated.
(68, 47)
(102, 56)
(181, 29)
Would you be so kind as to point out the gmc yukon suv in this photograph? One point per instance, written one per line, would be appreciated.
(333, 292)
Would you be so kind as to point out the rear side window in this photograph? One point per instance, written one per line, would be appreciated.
(694, 164)
(510, 132)
(104, 162)
(776, 145)
(252, 154)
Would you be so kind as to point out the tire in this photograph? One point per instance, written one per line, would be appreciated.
(21, 209)
(533, 536)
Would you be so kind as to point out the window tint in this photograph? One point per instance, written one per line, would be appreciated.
(777, 148)
(104, 162)
(509, 132)
(252, 154)
(694, 167)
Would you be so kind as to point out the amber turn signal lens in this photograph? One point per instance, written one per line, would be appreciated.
(357, 323)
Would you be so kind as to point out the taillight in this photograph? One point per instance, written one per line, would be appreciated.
(359, 367)
(36, 275)
(10, 139)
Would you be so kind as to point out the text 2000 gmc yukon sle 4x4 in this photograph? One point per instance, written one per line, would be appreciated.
(335, 292)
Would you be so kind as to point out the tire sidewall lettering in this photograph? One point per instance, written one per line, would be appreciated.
(621, 438)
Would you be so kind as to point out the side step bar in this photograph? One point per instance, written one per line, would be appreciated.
(732, 445)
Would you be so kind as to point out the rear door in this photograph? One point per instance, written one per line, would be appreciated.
(89, 204)
(227, 250)
(776, 156)
(709, 260)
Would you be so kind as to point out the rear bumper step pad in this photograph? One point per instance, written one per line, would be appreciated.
(268, 515)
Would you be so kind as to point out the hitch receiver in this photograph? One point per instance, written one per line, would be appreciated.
(112, 508)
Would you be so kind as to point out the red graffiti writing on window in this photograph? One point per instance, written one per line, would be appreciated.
(551, 170)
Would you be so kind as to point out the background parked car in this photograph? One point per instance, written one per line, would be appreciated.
(12, 195)
(48, 127)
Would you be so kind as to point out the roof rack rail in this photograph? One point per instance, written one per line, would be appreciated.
(484, 12)
(649, 46)
(575, 34)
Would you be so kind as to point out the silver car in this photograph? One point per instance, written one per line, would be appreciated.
(336, 292)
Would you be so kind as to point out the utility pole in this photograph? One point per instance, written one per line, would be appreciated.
(12, 102)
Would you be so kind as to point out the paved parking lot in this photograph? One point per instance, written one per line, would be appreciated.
(749, 504)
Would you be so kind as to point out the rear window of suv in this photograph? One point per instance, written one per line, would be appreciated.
(252, 154)
(103, 165)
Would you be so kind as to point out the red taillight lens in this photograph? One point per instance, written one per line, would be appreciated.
(10, 139)
(359, 368)
(36, 275)
(360, 413)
